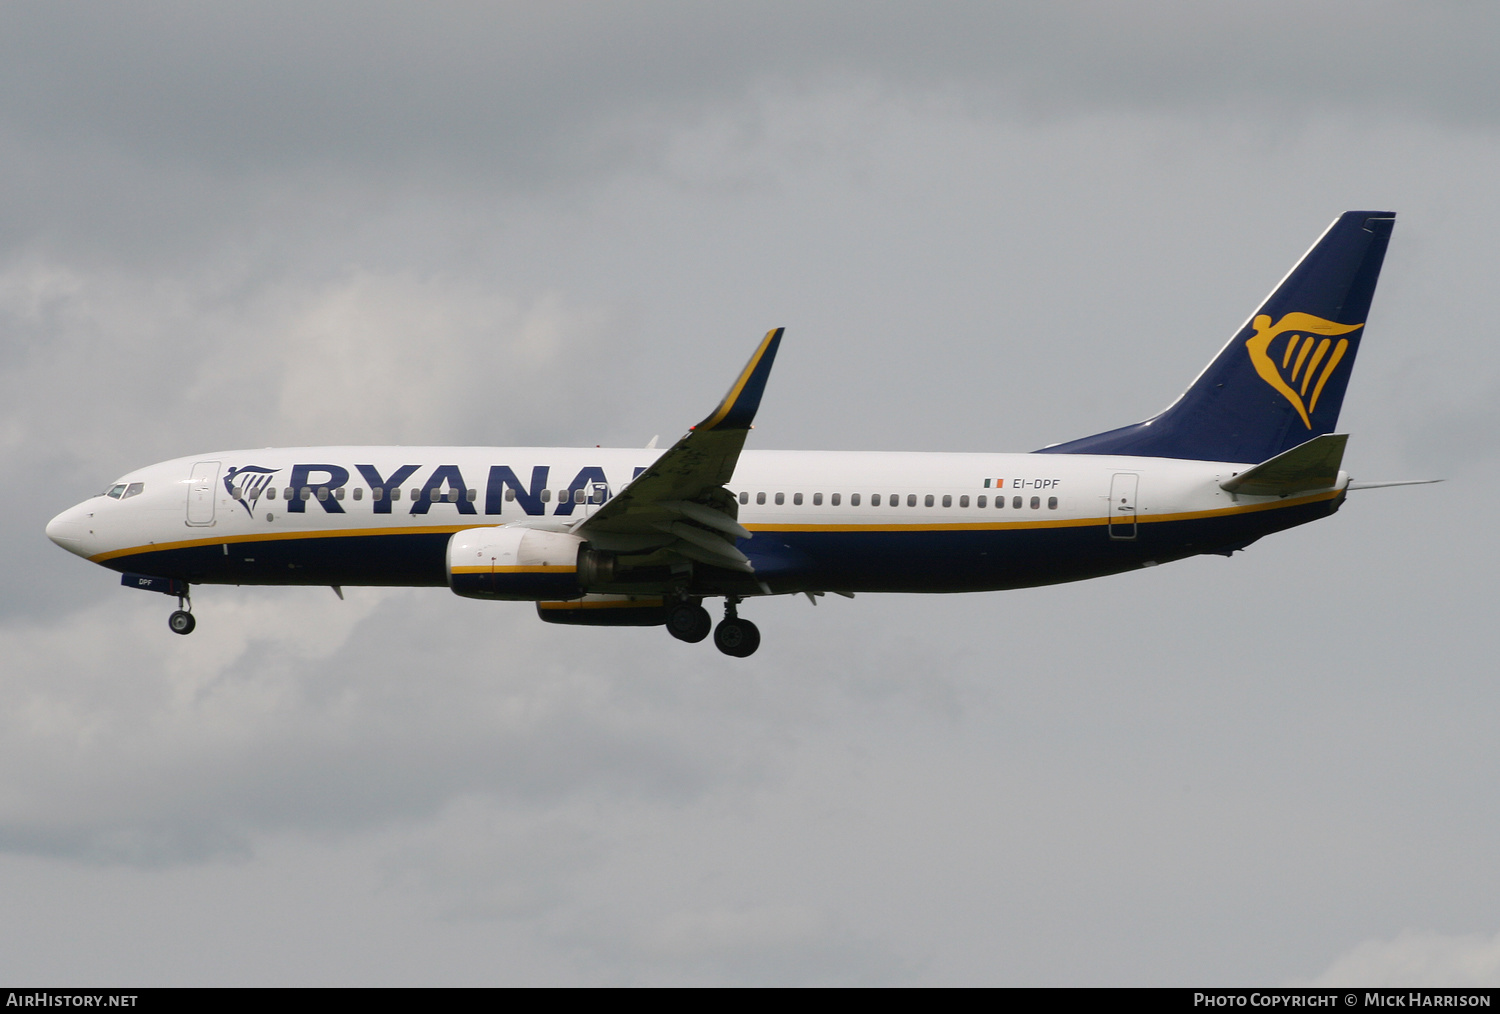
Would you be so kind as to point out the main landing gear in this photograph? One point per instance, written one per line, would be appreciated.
(689, 621)
(181, 621)
(734, 636)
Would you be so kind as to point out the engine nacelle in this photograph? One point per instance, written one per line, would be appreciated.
(519, 564)
(606, 611)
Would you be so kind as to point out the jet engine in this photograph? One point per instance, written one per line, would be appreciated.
(519, 564)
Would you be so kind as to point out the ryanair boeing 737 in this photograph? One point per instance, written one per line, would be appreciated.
(643, 537)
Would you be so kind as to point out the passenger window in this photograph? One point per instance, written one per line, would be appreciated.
(947, 500)
(853, 499)
(471, 495)
(546, 496)
(1015, 502)
(834, 499)
(338, 493)
(963, 501)
(359, 492)
(322, 493)
(744, 498)
(453, 496)
(562, 496)
(796, 499)
(377, 493)
(818, 499)
(874, 499)
(1052, 503)
(1036, 502)
(306, 493)
(396, 493)
(760, 498)
(927, 501)
(780, 499)
(911, 500)
(510, 494)
(982, 501)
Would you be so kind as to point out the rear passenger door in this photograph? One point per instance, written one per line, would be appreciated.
(1122, 505)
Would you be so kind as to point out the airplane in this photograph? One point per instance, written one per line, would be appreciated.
(639, 537)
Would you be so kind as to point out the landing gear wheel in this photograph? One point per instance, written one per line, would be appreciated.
(688, 621)
(181, 621)
(736, 637)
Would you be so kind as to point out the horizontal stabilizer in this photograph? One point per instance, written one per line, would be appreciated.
(1306, 467)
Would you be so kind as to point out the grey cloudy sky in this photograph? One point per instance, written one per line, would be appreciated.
(985, 227)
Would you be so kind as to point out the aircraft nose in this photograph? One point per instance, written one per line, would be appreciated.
(70, 532)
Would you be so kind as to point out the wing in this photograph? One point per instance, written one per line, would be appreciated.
(679, 505)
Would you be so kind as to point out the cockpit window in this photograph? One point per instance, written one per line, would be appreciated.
(116, 491)
(134, 489)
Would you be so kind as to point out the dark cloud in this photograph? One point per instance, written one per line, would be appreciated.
(151, 121)
(274, 84)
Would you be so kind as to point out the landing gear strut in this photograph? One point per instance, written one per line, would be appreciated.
(689, 621)
(181, 621)
(734, 636)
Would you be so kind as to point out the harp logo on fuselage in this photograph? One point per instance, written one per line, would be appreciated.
(246, 483)
(1308, 350)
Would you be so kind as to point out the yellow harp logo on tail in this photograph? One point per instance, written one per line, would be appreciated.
(1309, 344)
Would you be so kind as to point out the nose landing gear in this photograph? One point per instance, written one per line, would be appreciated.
(181, 621)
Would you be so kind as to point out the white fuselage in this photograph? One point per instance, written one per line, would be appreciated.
(215, 517)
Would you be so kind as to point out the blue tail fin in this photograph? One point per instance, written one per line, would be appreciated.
(1280, 381)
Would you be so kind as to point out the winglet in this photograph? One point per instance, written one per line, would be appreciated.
(738, 408)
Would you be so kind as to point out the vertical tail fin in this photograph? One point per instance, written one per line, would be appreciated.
(1280, 381)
